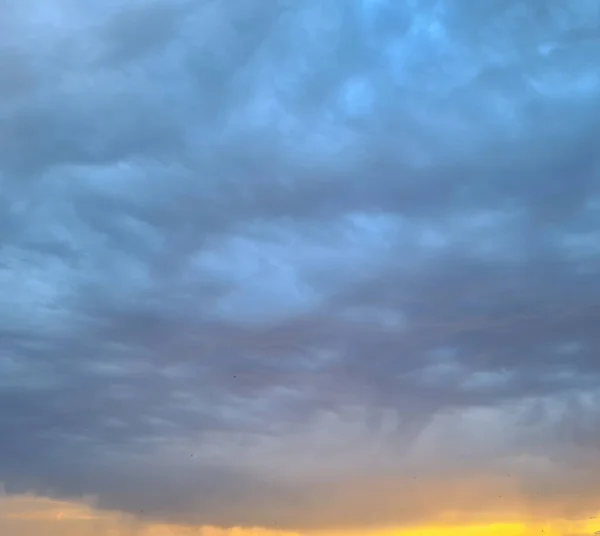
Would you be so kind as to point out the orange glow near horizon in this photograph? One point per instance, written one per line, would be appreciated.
(29, 516)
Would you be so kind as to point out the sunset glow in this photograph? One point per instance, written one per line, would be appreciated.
(299, 268)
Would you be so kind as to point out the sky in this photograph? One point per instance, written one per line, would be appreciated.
(299, 267)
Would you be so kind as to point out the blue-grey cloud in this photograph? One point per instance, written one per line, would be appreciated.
(239, 238)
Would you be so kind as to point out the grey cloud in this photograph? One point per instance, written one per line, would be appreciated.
(141, 29)
(223, 220)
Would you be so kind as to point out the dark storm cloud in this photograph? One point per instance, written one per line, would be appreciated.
(221, 221)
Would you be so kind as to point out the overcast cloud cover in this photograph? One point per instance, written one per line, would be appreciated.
(291, 263)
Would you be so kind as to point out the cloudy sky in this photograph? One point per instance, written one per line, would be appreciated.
(299, 267)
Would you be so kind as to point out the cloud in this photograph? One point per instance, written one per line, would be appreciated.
(260, 262)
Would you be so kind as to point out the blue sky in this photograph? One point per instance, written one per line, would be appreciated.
(255, 255)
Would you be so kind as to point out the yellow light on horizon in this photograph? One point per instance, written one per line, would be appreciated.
(38, 515)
